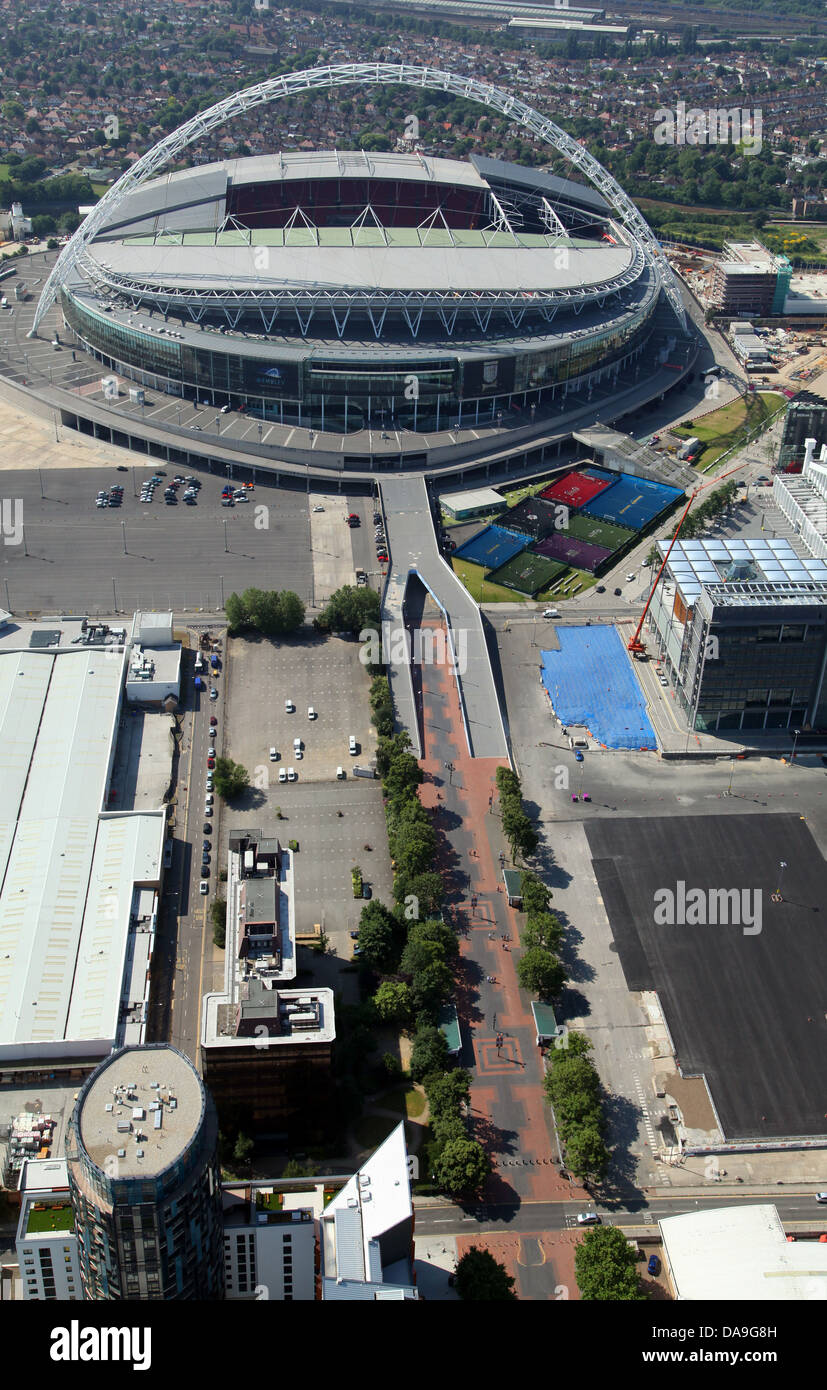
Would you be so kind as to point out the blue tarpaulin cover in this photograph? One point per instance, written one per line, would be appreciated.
(590, 682)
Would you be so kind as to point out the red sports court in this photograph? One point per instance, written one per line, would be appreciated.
(575, 489)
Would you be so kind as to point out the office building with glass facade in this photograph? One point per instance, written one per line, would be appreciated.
(741, 627)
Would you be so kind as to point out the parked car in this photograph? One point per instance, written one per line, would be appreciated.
(213, 720)
(274, 755)
(367, 891)
(282, 774)
(653, 1265)
(206, 828)
(213, 693)
(630, 579)
(578, 756)
(351, 746)
(617, 592)
(204, 887)
(289, 707)
(311, 713)
(291, 775)
(601, 589)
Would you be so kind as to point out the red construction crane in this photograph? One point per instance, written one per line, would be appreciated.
(635, 646)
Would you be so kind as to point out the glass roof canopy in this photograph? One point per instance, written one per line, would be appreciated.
(696, 565)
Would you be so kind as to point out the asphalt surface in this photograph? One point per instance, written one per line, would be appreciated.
(744, 1008)
(71, 557)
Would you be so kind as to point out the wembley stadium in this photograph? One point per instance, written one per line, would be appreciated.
(346, 293)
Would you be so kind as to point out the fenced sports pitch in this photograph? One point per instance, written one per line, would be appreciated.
(527, 573)
(492, 546)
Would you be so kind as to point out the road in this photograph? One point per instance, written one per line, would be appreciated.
(536, 1216)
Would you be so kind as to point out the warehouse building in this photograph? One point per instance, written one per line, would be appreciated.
(79, 883)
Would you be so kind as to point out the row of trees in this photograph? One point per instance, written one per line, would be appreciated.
(715, 505)
(268, 611)
(539, 968)
(517, 826)
(381, 706)
(572, 1086)
(415, 952)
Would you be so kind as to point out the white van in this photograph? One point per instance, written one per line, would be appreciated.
(352, 746)
(340, 772)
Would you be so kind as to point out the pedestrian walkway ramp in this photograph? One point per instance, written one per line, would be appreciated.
(414, 550)
(590, 683)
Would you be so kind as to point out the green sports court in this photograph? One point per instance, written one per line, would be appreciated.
(527, 573)
(587, 528)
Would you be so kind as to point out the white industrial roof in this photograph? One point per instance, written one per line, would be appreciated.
(67, 874)
(741, 1253)
(476, 497)
(381, 1188)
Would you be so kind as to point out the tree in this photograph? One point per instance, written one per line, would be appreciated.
(429, 1051)
(441, 933)
(481, 1278)
(218, 917)
(230, 778)
(393, 1002)
(243, 1149)
(431, 987)
(605, 1267)
(462, 1167)
(536, 896)
(419, 954)
(299, 1168)
(378, 936)
(350, 609)
(426, 889)
(542, 929)
(446, 1091)
(415, 849)
(403, 775)
(234, 610)
(586, 1154)
(291, 611)
(540, 971)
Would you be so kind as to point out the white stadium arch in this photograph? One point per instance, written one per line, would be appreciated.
(363, 74)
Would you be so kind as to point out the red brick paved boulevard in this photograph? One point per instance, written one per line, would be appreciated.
(510, 1117)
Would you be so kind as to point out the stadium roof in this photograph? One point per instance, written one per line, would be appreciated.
(67, 871)
(741, 1253)
(392, 262)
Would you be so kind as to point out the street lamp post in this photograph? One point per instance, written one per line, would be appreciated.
(776, 897)
(795, 741)
(449, 768)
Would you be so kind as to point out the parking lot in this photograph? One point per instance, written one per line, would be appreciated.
(70, 555)
(332, 819)
(323, 672)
